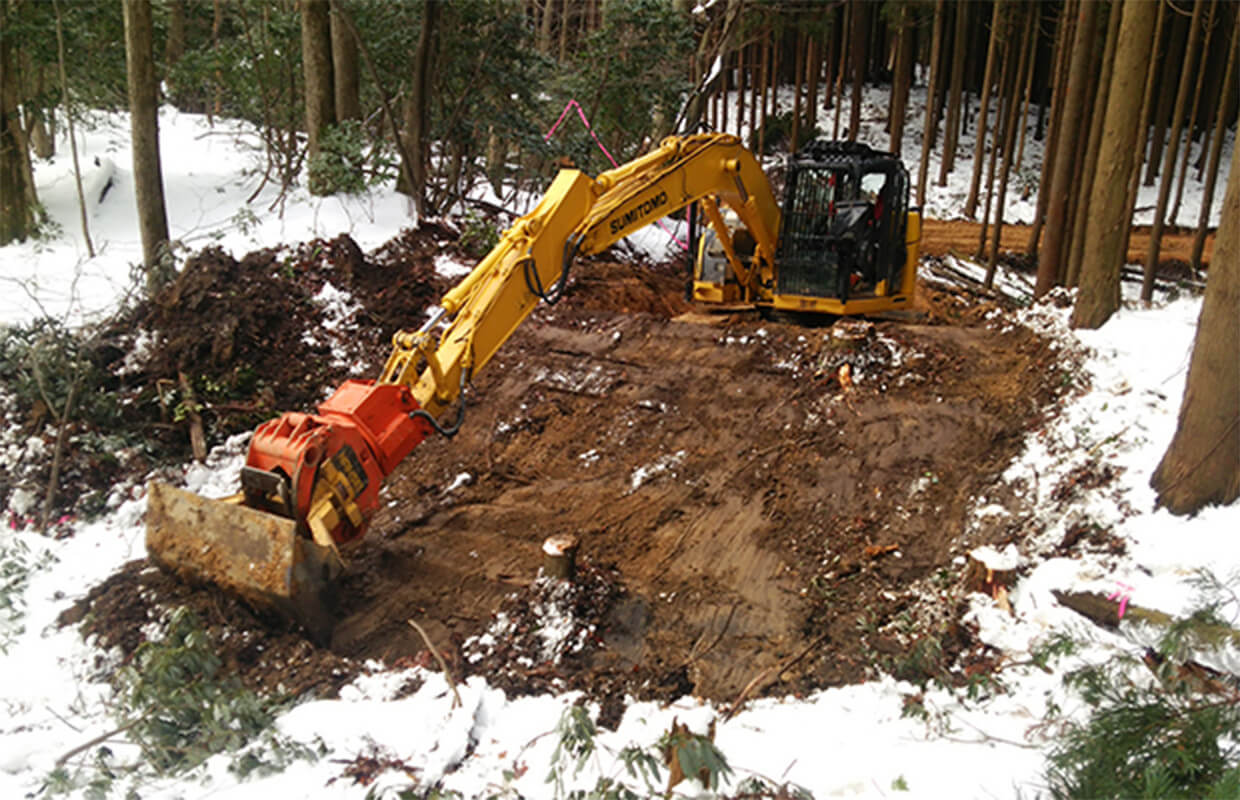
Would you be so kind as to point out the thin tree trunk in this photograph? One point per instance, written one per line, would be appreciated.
(970, 203)
(144, 125)
(860, 48)
(346, 76)
(1009, 145)
(1192, 115)
(927, 143)
(1024, 108)
(1216, 149)
(316, 54)
(741, 87)
(1059, 81)
(1173, 59)
(417, 110)
(1118, 160)
(763, 68)
(1097, 117)
(846, 16)
(17, 199)
(1051, 261)
(951, 128)
(901, 80)
(1147, 101)
(1168, 170)
(564, 9)
(1202, 463)
(813, 68)
(64, 90)
(1005, 79)
(798, 69)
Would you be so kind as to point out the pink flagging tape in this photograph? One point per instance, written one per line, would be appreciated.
(573, 104)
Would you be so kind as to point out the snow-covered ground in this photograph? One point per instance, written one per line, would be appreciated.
(848, 741)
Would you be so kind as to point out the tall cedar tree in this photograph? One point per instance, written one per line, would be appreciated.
(970, 203)
(1202, 464)
(144, 126)
(902, 77)
(1063, 182)
(1168, 170)
(17, 198)
(860, 60)
(1105, 228)
(951, 128)
(1216, 149)
(346, 72)
(927, 142)
(417, 108)
(316, 56)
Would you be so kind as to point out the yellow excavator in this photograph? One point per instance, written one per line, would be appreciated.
(845, 242)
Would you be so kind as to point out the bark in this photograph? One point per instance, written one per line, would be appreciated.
(951, 128)
(144, 123)
(1009, 146)
(316, 55)
(970, 203)
(77, 168)
(901, 80)
(1096, 118)
(846, 13)
(936, 44)
(16, 177)
(544, 31)
(564, 8)
(813, 68)
(1174, 58)
(1202, 464)
(1062, 181)
(174, 45)
(1024, 109)
(1004, 81)
(346, 75)
(798, 72)
(1168, 170)
(1192, 115)
(1059, 82)
(741, 88)
(1151, 79)
(1216, 149)
(417, 110)
(1105, 227)
(860, 55)
(760, 108)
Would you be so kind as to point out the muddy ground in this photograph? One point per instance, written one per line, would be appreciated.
(754, 517)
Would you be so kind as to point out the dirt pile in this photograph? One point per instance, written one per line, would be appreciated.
(763, 507)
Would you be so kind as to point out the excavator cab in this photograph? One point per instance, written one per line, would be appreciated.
(847, 241)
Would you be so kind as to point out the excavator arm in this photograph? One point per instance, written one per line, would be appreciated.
(311, 481)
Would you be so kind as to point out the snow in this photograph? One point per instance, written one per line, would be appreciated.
(852, 741)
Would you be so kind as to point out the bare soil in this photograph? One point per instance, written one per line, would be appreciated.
(763, 508)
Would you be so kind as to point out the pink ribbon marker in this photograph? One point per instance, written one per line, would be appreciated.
(1123, 594)
(573, 104)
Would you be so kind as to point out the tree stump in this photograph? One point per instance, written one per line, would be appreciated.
(560, 556)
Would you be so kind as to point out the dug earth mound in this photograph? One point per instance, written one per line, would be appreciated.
(762, 507)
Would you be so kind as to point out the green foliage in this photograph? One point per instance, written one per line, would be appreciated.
(1170, 736)
(182, 709)
(41, 359)
(778, 133)
(628, 73)
(16, 566)
(697, 756)
(479, 235)
(340, 166)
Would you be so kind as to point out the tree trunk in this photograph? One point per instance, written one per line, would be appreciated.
(1151, 80)
(970, 203)
(1118, 160)
(1192, 114)
(1008, 129)
(1028, 91)
(936, 44)
(813, 66)
(763, 68)
(1216, 149)
(316, 55)
(900, 80)
(144, 124)
(1062, 181)
(1096, 118)
(346, 77)
(798, 70)
(16, 178)
(1005, 80)
(1059, 83)
(1202, 464)
(174, 45)
(77, 167)
(951, 128)
(1172, 59)
(860, 56)
(417, 109)
(846, 13)
(1168, 170)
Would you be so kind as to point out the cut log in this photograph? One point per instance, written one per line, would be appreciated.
(560, 556)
